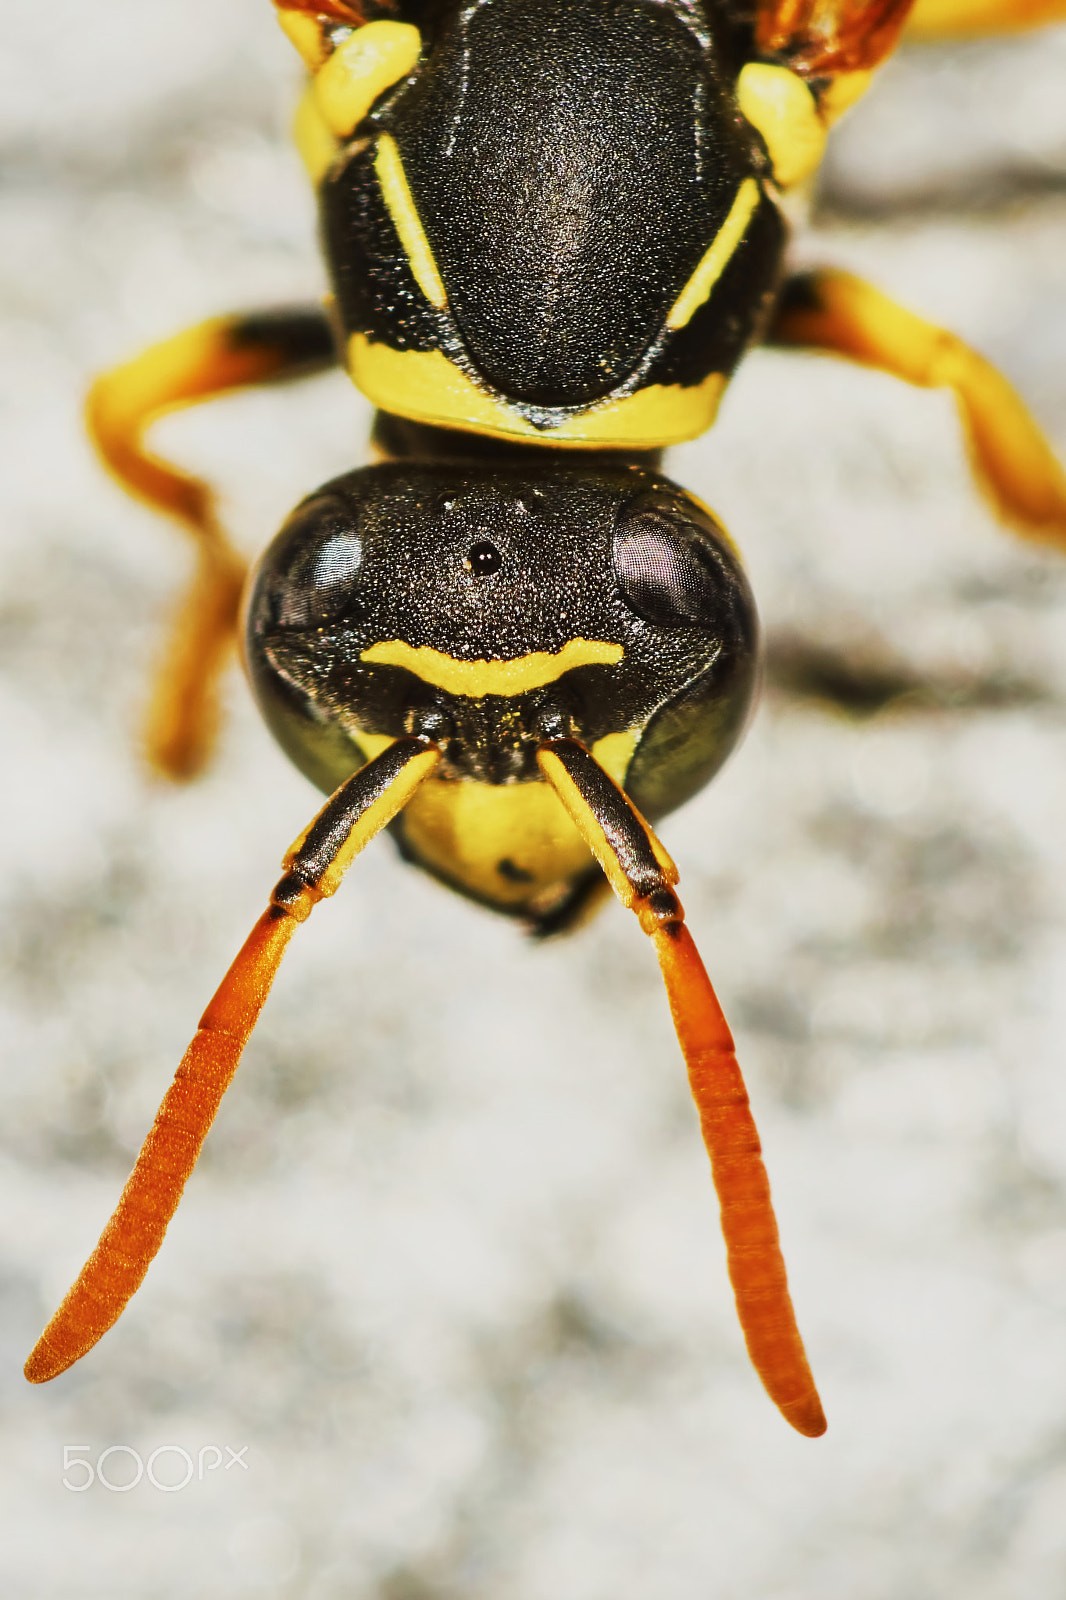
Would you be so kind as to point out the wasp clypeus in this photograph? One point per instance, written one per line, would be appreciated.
(553, 230)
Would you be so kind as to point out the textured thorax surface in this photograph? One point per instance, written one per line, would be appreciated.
(568, 168)
(571, 163)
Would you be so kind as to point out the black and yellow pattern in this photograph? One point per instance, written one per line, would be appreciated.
(576, 253)
(550, 223)
(488, 608)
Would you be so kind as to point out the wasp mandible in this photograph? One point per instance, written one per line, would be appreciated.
(552, 230)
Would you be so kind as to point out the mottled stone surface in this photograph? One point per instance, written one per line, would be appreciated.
(450, 1266)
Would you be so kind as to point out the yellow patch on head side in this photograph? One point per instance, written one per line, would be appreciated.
(370, 61)
(785, 112)
(425, 386)
(614, 752)
(475, 679)
(717, 257)
(408, 224)
(372, 744)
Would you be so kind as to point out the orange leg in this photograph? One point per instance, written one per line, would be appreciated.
(1013, 463)
(211, 359)
(313, 869)
(958, 19)
(642, 875)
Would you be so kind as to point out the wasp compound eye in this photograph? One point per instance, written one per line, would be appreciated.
(483, 560)
(668, 560)
(310, 578)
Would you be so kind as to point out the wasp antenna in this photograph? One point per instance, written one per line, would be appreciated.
(642, 875)
(753, 1252)
(115, 1270)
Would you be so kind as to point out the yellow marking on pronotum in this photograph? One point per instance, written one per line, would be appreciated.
(407, 222)
(463, 830)
(716, 258)
(425, 386)
(476, 679)
(370, 61)
(784, 110)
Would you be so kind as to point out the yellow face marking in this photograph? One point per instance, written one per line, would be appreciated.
(717, 257)
(370, 61)
(425, 386)
(723, 532)
(464, 830)
(475, 679)
(372, 744)
(614, 752)
(781, 106)
(406, 221)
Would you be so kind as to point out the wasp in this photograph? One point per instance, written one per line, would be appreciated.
(553, 231)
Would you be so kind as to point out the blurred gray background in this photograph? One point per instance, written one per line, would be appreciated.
(450, 1266)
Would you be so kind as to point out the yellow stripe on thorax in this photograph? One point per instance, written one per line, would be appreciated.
(408, 224)
(475, 679)
(345, 83)
(717, 257)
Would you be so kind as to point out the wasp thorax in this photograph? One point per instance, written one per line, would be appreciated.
(491, 607)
